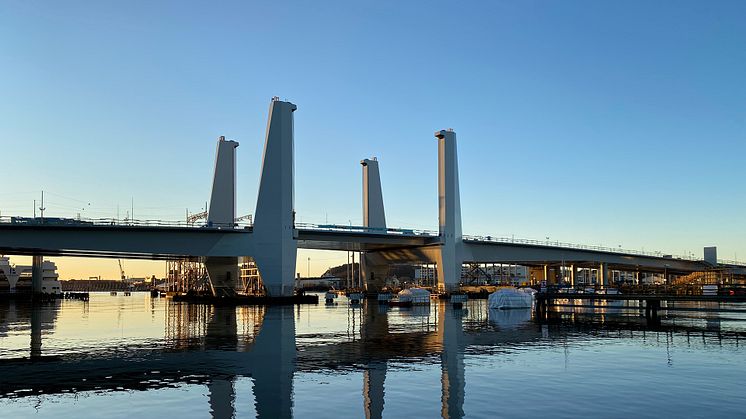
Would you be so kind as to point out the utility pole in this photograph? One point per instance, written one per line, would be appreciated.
(308, 271)
(41, 208)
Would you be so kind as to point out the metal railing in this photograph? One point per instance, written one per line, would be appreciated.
(56, 221)
(366, 230)
(575, 246)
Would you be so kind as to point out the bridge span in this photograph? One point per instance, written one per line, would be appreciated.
(274, 237)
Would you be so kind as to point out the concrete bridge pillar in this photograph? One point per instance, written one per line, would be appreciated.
(450, 257)
(223, 272)
(223, 275)
(603, 275)
(275, 248)
(374, 217)
(222, 210)
(374, 272)
(37, 273)
(572, 275)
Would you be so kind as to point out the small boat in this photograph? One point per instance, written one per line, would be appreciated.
(511, 298)
(410, 297)
(330, 297)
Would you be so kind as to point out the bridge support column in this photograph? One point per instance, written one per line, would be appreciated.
(374, 217)
(374, 272)
(223, 271)
(37, 273)
(223, 275)
(275, 248)
(603, 275)
(572, 275)
(450, 257)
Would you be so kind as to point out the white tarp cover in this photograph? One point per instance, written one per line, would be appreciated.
(509, 297)
(415, 296)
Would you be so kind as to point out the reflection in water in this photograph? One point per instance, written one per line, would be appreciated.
(374, 329)
(219, 347)
(452, 362)
(510, 319)
(23, 316)
(274, 364)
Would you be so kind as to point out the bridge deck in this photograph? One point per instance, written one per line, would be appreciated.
(154, 240)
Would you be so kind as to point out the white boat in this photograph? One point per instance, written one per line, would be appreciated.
(510, 298)
(414, 296)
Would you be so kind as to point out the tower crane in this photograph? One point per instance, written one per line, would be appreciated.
(121, 270)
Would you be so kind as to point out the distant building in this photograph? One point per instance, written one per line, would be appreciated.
(477, 274)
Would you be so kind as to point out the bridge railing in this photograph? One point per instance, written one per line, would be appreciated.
(56, 221)
(575, 246)
(366, 230)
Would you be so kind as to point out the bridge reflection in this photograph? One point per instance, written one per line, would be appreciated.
(215, 346)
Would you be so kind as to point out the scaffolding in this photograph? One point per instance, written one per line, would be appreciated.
(184, 275)
(251, 281)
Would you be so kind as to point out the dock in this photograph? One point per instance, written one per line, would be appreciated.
(650, 302)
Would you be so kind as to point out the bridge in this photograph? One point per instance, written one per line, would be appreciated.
(273, 238)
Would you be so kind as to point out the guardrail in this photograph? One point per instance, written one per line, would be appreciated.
(366, 230)
(56, 221)
(549, 243)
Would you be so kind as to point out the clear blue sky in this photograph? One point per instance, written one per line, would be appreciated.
(593, 122)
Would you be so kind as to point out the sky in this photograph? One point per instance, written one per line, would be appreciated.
(590, 122)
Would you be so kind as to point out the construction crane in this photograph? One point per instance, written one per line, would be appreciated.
(121, 270)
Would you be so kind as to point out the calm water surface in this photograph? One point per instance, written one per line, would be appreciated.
(134, 356)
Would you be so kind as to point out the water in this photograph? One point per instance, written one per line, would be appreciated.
(134, 356)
